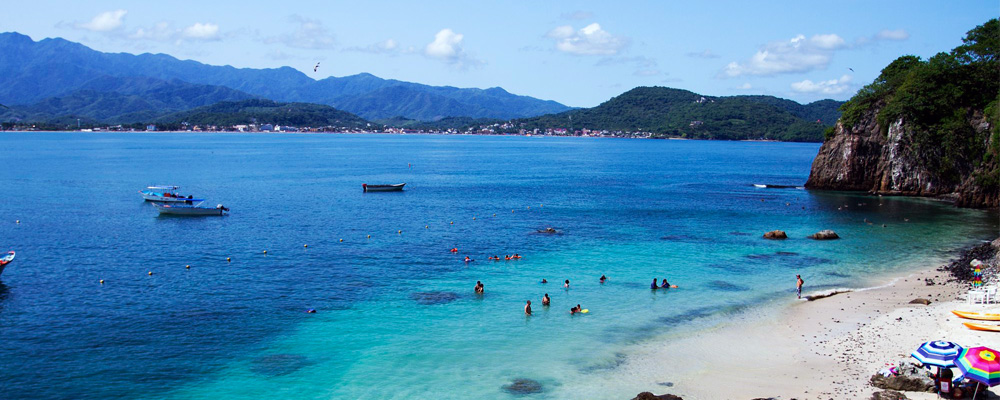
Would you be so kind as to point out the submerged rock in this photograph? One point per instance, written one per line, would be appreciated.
(431, 298)
(775, 234)
(522, 386)
(825, 234)
(651, 396)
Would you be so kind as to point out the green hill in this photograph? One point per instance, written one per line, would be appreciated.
(667, 112)
(259, 111)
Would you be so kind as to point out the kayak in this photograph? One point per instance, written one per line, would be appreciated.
(982, 327)
(976, 315)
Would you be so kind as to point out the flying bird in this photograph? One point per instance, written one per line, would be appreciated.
(316, 68)
(852, 69)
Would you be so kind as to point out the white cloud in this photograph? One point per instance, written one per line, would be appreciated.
(898, 34)
(447, 47)
(200, 31)
(308, 34)
(161, 31)
(703, 54)
(799, 54)
(105, 22)
(588, 41)
(745, 86)
(833, 86)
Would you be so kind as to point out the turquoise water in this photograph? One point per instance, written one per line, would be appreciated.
(396, 313)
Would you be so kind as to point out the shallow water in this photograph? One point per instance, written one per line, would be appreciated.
(396, 314)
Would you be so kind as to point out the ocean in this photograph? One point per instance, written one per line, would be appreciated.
(396, 315)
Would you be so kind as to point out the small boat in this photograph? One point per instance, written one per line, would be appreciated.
(166, 194)
(982, 327)
(188, 209)
(6, 259)
(976, 315)
(382, 188)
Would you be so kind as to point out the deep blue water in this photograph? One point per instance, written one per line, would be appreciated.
(396, 314)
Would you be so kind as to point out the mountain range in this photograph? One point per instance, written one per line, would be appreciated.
(56, 77)
(668, 112)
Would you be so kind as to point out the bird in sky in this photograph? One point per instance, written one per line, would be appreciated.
(852, 69)
(316, 68)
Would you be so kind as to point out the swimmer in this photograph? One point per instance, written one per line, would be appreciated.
(567, 284)
(516, 256)
(546, 300)
(527, 308)
(665, 284)
(603, 278)
(506, 257)
(545, 280)
(479, 287)
(653, 285)
(467, 259)
(454, 250)
(575, 310)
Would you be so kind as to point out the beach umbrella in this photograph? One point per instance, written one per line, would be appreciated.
(937, 353)
(981, 364)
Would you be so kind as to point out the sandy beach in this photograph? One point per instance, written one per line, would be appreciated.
(823, 349)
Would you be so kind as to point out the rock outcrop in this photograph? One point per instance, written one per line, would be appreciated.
(651, 396)
(863, 158)
(888, 395)
(911, 378)
(775, 235)
(825, 234)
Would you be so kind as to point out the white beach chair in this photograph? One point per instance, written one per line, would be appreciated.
(976, 296)
(990, 295)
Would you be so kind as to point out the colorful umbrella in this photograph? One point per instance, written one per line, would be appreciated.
(937, 353)
(981, 364)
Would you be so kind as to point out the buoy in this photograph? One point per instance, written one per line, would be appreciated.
(18, 221)
(453, 222)
(541, 205)
(187, 266)
(228, 259)
(150, 273)
(265, 251)
(102, 281)
(305, 245)
(399, 232)
(341, 240)
(473, 218)
(494, 214)
(427, 227)
(369, 236)
(529, 207)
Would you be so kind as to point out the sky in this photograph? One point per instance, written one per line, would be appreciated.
(579, 53)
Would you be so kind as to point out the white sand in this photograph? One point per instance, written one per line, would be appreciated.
(823, 349)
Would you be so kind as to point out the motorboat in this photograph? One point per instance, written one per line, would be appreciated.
(167, 194)
(6, 259)
(383, 188)
(190, 209)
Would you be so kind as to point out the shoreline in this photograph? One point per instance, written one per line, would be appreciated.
(821, 349)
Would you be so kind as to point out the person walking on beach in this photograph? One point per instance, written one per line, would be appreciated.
(798, 285)
(527, 308)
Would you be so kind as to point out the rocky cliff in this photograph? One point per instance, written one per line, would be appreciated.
(866, 157)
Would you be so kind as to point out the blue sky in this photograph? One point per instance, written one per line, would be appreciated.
(577, 53)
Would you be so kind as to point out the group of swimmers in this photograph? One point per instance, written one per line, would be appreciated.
(663, 285)
(507, 257)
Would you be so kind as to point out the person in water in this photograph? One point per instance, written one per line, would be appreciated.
(798, 285)
(527, 308)
(567, 284)
(665, 284)
(544, 280)
(603, 278)
(516, 256)
(479, 287)
(575, 310)
(546, 300)
(653, 285)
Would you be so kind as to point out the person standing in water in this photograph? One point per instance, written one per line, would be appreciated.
(479, 287)
(653, 285)
(567, 284)
(546, 300)
(798, 285)
(527, 308)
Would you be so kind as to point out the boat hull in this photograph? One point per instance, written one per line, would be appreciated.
(168, 209)
(982, 327)
(977, 315)
(6, 259)
(383, 188)
(161, 199)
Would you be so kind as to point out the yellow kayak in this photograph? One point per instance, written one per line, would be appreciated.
(976, 315)
(982, 327)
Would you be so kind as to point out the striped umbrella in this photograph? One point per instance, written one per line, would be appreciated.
(937, 353)
(981, 364)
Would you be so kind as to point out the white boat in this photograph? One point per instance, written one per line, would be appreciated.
(190, 209)
(382, 188)
(6, 259)
(166, 194)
